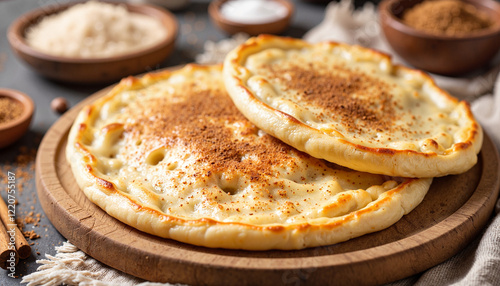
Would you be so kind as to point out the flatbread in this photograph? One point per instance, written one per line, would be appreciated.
(170, 155)
(351, 106)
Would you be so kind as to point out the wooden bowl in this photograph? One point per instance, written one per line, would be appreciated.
(11, 131)
(446, 55)
(232, 27)
(92, 70)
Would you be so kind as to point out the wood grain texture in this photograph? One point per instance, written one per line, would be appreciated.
(455, 209)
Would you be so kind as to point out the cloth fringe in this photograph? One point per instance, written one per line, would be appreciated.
(71, 266)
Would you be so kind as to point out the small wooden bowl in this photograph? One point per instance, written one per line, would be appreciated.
(446, 55)
(92, 70)
(11, 131)
(232, 27)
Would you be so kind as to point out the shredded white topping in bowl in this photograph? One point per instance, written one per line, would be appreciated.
(95, 30)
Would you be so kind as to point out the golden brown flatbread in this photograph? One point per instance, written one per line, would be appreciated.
(353, 107)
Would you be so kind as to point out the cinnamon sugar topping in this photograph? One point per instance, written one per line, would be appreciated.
(205, 122)
(360, 101)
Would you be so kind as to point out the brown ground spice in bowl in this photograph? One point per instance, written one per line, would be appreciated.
(10, 109)
(446, 17)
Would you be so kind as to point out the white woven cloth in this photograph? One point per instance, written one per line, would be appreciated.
(478, 264)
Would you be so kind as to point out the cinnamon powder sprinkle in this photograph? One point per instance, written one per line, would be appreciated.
(31, 234)
(200, 122)
(9, 109)
(32, 219)
(358, 101)
(23, 166)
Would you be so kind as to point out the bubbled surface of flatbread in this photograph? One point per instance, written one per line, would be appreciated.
(170, 154)
(352, 106)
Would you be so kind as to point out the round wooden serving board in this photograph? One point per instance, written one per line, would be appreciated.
(453, 212)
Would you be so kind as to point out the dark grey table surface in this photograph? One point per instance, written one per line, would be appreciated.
(19, 158)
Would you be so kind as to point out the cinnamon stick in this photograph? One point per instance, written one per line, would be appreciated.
(22, 246)
(8, 254)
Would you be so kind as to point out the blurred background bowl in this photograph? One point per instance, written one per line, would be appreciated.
(11, 131)
(172, 5)
(92, 70)
(231, 27)
(441, 54)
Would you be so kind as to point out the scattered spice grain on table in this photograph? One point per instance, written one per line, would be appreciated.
(23, 165)
(446, 17)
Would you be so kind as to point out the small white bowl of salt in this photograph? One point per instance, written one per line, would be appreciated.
(252, 17)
